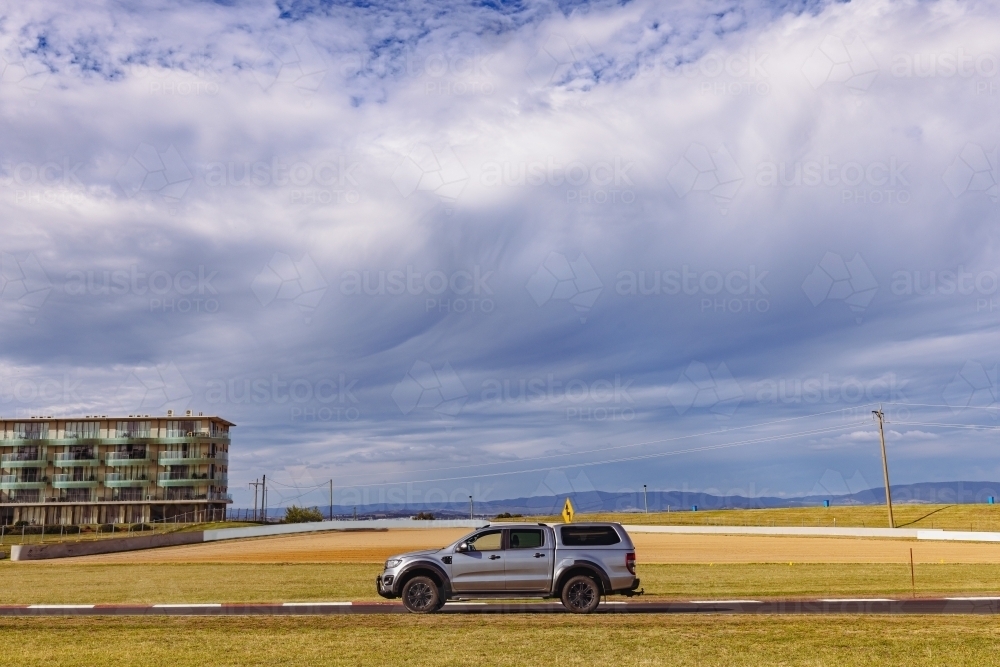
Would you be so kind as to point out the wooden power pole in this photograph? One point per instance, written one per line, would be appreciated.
(880, 416)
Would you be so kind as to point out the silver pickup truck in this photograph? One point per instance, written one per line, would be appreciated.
(576, 562)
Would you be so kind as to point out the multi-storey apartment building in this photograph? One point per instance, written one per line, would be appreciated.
(101, 469)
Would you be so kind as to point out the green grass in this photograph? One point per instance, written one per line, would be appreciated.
(741, 641)
(949, 517)
(29, 583)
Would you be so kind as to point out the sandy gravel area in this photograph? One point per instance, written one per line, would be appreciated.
(375, 546)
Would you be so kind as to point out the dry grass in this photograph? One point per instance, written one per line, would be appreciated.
(738, 641)
(246, 582)
(949, 517)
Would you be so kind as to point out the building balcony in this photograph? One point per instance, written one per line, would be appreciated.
(114, 439)
(12, 482)
(188, 458)
(23, 461)
(116, 480)
(173, 479)
(64, 460)
(123, 459)
(67, 482)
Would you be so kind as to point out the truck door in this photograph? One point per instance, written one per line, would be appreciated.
(481, 566)
(529, 559)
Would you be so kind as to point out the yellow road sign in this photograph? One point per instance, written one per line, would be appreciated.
(568, 512)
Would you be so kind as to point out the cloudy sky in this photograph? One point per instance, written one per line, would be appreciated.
(428, 249)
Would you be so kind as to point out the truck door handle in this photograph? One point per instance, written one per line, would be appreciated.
(494, 557)
(539, 555)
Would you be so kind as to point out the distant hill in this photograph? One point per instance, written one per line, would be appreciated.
(659, 501)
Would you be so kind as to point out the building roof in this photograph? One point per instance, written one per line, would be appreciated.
(114, 418)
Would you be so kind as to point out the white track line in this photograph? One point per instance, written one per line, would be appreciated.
(974, 599)
(187, 606)
(316, 604)
(60, 606)
(725, 602)
(857, 600)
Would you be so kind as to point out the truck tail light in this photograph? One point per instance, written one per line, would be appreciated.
(630, 562)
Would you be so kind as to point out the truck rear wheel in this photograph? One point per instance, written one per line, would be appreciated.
(581, 595)
(421, 595)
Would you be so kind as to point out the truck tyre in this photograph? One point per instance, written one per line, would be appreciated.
(421, 595)
(581, 594)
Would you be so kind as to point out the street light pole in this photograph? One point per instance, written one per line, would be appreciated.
(470, 508)
(644, 501)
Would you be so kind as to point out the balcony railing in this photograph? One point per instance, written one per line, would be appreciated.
(68, 482)
(189, 479)
(186, 458)
(69, 459)
(21, 460)
(14, 482)
(126, 458)
(118, 480)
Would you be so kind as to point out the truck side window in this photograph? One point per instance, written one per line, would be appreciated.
(526, 539)
(589, 536)
(488, 541)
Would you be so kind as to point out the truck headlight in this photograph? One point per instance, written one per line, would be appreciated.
(393, 562)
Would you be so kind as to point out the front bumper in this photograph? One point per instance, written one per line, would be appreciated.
(383, 586)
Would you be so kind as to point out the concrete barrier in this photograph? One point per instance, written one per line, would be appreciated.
(113, 545)
(21, 552)
(796, 531)
(322, 526)
(958, 535)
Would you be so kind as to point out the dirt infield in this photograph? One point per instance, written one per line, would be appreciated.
(368, 547)
(662, 548)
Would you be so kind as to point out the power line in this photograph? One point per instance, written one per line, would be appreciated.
(950, 407)
(616, 447)
(974, 427)
(692, 450)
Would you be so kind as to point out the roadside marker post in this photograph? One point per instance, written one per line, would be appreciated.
(568, 512)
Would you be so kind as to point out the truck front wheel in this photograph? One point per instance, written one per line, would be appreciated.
(421, 595)
(581, 595)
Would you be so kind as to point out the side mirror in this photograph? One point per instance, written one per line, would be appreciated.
(462, 548)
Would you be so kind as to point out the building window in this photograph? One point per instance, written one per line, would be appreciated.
(77, 496)
(25, 495)
(31, 430)
(182, 428)
(133, 429)
(83, 430)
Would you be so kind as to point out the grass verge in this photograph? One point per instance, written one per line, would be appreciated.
(32, 583)
(748, 641)
(948, 517)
